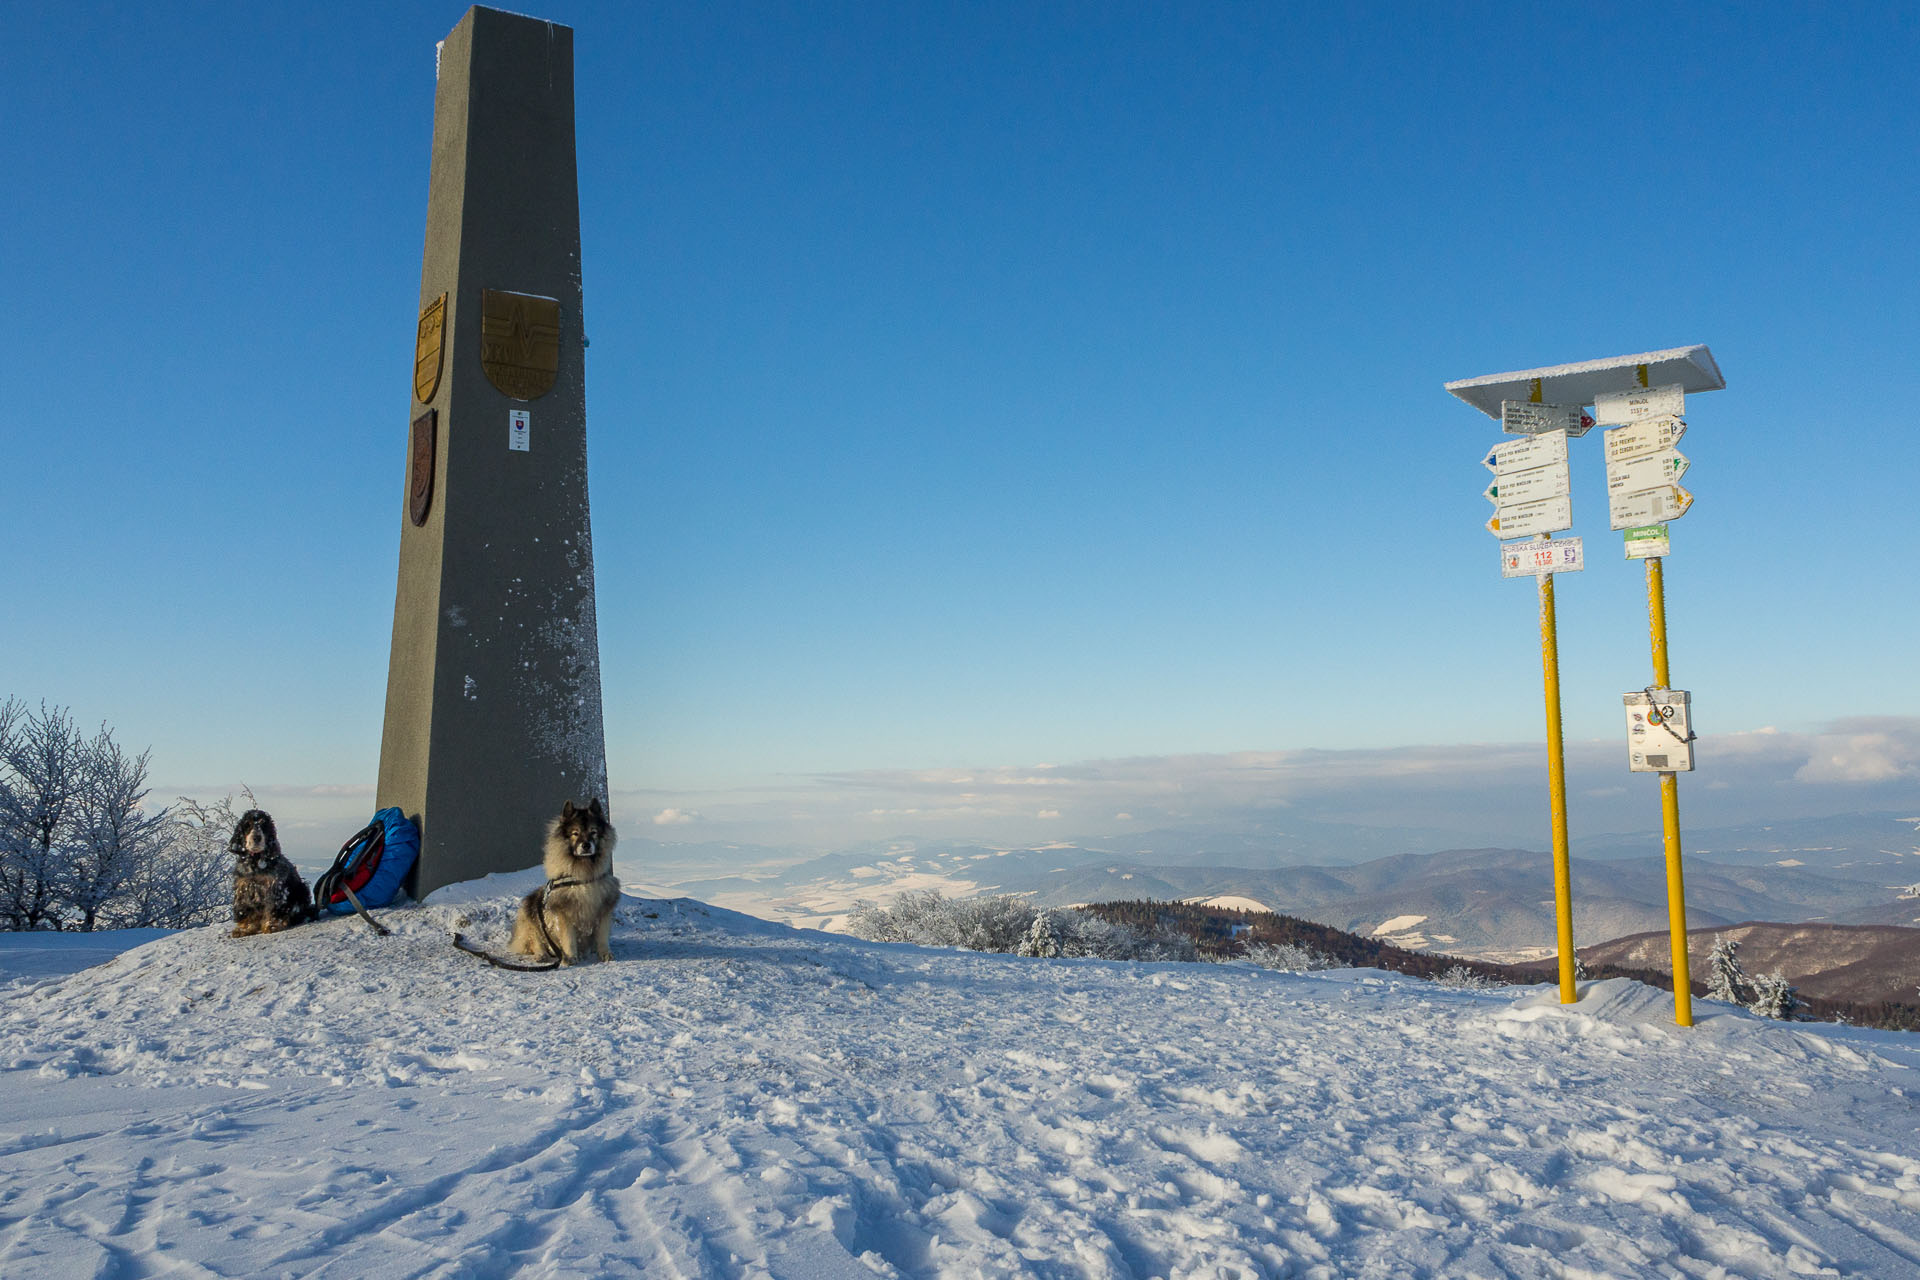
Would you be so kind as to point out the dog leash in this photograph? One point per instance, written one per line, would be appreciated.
(500, 962)
(562, 882)
(372, 924)
(539, 918)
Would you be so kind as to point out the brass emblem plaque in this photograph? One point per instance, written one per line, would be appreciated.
(426, 349)
(420, 466)
(519, 342)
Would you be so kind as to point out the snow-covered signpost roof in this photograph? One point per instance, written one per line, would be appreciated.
(1583, 382)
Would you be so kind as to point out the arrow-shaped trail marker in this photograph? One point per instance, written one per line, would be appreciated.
(1529, 486)
(1650, 436)
(1651, 506)
(1648, 471)
(1529, 518)
(1527, 453)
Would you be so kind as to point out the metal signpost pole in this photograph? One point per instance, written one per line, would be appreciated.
(1557, 790)
(1643, 491)
(1670, 808)
(1531, 492)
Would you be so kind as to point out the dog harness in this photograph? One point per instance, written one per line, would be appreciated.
(560, 882)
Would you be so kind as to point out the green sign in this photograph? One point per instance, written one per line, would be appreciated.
(1646, 541)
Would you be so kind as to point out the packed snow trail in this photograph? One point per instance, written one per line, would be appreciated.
(732, 1098)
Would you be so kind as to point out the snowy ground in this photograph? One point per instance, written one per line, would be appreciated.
(733, 1098)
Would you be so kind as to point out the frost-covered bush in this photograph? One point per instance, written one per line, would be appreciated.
(80, 847)
(1085, 934)
(1043, 938)
(188, 881)
(1770, 995)
(1007, 923)
(928, 918)
(1774, 997)
(1725, 980)
(1289, 957)
(1464, 979)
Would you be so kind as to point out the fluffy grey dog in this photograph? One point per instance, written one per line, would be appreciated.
(574, 908)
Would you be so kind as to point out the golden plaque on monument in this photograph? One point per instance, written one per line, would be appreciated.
(426, 349)
(519, 342)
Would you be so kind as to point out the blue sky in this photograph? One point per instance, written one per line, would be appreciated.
(976, 386)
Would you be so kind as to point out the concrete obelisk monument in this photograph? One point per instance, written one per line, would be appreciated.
(493, 690)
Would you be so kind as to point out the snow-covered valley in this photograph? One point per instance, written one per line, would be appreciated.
(731, 1097)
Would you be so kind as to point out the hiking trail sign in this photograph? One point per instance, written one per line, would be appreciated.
(1642, 398)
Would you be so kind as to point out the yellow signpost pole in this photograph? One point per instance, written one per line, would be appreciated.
(1557, 789)
(1670, 808)
(1556, 773)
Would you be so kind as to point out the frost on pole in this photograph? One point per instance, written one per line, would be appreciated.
(493, 715)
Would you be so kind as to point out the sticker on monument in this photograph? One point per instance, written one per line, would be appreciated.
(518, 429)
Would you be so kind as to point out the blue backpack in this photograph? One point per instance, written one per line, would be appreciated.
(370, 866)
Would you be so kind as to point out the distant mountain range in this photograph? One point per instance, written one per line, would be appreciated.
(1492, 903)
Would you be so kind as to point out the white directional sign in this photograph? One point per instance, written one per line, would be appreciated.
(1524, 418)
(1531, 486)
(1650, 436)
(1529, 518)
(1642, 468)
(1648, 471)
(1531, 559)
(1654, 506)
(1614, 407)
(1510, 456)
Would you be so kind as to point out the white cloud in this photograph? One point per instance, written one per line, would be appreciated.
(1857, 758)
(1475, 792)
(674, 817)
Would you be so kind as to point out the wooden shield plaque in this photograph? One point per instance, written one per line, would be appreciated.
(420, 466)
(426, 349)
(519, 342)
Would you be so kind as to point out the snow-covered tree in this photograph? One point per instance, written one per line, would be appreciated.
(1043, 939)
(188, 880)
(1774, 997)
(1727, 982)
(113, 836)
(42, 776)
(79, 846)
